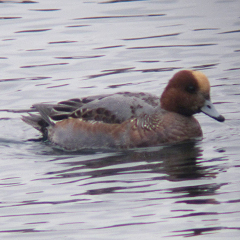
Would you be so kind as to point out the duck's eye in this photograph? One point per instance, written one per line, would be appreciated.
(191, 89)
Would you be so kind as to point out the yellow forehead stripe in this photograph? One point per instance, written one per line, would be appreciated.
(202, 80)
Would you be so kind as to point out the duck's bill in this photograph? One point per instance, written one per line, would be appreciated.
(211, 111)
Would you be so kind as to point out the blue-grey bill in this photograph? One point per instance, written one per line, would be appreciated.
(211, 111)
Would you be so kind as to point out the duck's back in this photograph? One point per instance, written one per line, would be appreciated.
(113, 108)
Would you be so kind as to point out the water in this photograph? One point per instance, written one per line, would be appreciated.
(56, 50)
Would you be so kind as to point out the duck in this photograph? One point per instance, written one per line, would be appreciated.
(126, 120)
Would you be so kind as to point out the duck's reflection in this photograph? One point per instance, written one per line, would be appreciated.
(179, 162)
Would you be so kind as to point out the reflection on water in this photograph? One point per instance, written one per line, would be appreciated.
(56, 50)
(179, 162)
(175, 162)
(172, 176)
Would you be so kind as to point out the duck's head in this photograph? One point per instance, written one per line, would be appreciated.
(187, 93)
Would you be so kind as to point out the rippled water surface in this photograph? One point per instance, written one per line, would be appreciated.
(56, 50)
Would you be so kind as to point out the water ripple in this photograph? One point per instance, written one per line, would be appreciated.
(121, 16)
(149, 37)
(60, 42)
(34, 30)
(7, 18)
(110, 72)
(81, 57)
(44, 65)
(176, 46)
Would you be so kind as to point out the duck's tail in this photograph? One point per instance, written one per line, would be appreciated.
(42, 121)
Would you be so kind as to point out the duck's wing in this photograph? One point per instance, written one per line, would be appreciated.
(115, 108)
(61, 110)
(111, 108)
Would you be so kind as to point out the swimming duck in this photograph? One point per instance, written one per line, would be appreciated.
(128, 120)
